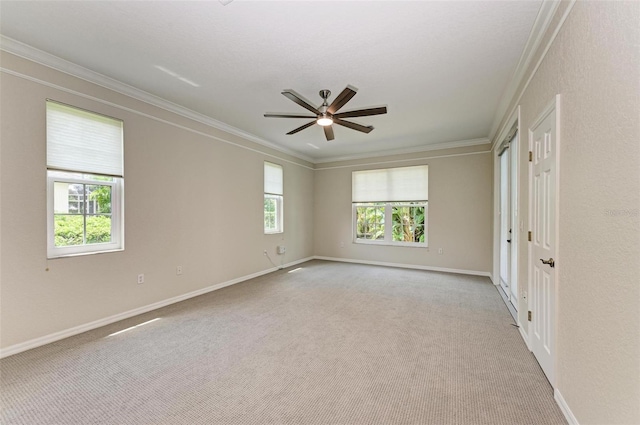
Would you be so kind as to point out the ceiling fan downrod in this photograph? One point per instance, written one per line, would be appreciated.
(324, 118)
(324, 94)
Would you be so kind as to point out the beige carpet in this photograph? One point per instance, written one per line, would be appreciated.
(330, 343)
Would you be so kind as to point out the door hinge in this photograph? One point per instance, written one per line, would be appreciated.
(530, 156)
(529, 316)
(530, 236)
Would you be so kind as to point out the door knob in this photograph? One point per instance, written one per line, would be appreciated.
(550, 262)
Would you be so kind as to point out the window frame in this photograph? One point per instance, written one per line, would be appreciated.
(406, 186)
(82, 145)
(117, 216)
(388, 229)
(279, 200)
(278, 195)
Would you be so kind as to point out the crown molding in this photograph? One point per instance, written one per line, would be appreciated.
(425, 148)
(28, 52)
(538, 30)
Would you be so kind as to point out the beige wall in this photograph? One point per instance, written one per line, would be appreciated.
(191, 199)
(194, 199)
(594, 64)
(459, 218)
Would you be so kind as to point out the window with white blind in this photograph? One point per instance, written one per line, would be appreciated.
(390, 206)
(85, 180)
(273, 198)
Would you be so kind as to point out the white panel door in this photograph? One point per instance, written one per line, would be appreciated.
(543, 279)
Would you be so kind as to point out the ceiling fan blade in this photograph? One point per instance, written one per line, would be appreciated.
(362, 112)
(328, 132)
(307, 125)
(290, 94)
(341, 100)
(274, 115)
(352, 125)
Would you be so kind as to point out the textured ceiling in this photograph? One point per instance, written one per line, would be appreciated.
(440, 67)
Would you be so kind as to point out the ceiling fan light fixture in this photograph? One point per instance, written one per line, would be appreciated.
(324, 121)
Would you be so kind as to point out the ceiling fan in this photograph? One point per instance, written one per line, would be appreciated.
(326, 115)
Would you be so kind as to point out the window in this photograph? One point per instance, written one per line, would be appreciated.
(394, 196)
(273, 191)
(84, 182)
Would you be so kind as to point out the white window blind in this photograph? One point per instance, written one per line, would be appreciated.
(391, 184)
(273, 180)
(83, 141)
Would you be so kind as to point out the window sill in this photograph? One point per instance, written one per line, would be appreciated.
(384, 243)
(56, 256)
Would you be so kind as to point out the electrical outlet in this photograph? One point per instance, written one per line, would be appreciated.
(140, 278)
(264, 253)
(179, 270)
(440, 251)
(341, 244)
(282, 249)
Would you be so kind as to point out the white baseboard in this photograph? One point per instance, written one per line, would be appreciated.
(507, 303)
(524, 336)
(47, 339)
(404, 266)
(568, 414)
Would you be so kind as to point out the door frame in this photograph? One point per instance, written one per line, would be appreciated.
(505, 278)
(514, 121)
(551, 107)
